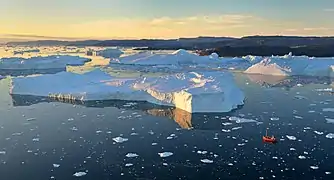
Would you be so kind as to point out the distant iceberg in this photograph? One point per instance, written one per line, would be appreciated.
(106, 53)
(293, 66)
(26, 51)
(192, 92)
(38, 63)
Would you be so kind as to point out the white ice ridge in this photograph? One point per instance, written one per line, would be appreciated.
(106, 53)
(179, 57)
(293, 65)
(37, 63)
(192, 92)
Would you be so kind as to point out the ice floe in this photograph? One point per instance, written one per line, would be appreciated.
(292, 138)
(329, 120)
(165, 154)
(79, 174)
(330, 136)
(128, 165)
(314, 167)
(207, 161)
(301, 157)
(319, 133)
(239, 120)
(38, 63)
(131, 155)
(120, 139)
(56, 165)
(192, 92)
(328, 110)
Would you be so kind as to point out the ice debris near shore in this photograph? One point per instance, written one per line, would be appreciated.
(191, 91)
(293, 66)
(38, 63)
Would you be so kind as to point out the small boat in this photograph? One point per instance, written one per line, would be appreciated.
(269, 139)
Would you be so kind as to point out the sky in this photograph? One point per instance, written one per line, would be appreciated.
(136, 19)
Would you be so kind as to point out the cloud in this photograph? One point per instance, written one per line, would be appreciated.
(32, 36)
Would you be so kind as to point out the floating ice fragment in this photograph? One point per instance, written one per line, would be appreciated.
(330, 136)
(31, 119)
(2, 152)
(230, 164)
(226, 130)
(56, 165)
(328, 110)
(325, 90)
(328, 173)
(311, 111)
(329, 120)
(79, 174)
(314, 167)
(226, 124)
(242, 120)
(35, 139)
(17, 134)
(307, 128)
(301, 157)
(275, 157)
(70, 119)
(274, 118)
(202, 152)
(236, 128)
(133, 134)
(165, 164)
(299, 85)
(165, 154)
(206, 161)
(242, 144)
(74, 129)
(128, 165)
(300, 97)
(131, 155)
(120, 139)
(292, 138)
(298, 117)
(318, 132)
(154, 144)
(98, 132)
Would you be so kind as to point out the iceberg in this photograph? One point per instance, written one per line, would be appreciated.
(106, 53)
(179, 57)
(26, 51)
(191, 92)
(39, 63)
(294, 66)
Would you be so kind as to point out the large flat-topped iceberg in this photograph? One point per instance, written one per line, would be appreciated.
(291, 66)
(106, 53)
(179, 57)
(192, 92)
(48, 62)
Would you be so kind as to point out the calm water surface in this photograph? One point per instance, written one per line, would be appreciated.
(41, 139)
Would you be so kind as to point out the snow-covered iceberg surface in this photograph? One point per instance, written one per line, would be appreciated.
(293, 65)
(106, 53)
(179, 57)
(48, 62)
(192, 92)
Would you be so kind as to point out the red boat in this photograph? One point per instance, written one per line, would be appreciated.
(269, 139)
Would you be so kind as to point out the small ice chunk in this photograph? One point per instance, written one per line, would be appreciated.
(2, 152)
(330, 136)
(227, 124)
(274, 118)
(226, 130)
(292, 138)
(165, 164)
(242, 144)
(292, 149)
(202, 152)
(128, 165)
(301, 157)
(307, 128)
(74, 129)
(329, 120)
(154, 144)
(35, 139)
(300, 97)
(120, 139)
(131, 155)
(236, 128)
(79, 174)
(31, 119)
(319, 133)
(97, 132)
(275, 157)
(230, 164)
(314, 167)
(325, 90)
(208, 161)
(299, 85)
(56, 165)
(298, 117)
(165, 154)
(328, 173)
(328, 110)
(311, 111)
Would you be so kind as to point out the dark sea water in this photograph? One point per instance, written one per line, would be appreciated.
(41, 139)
